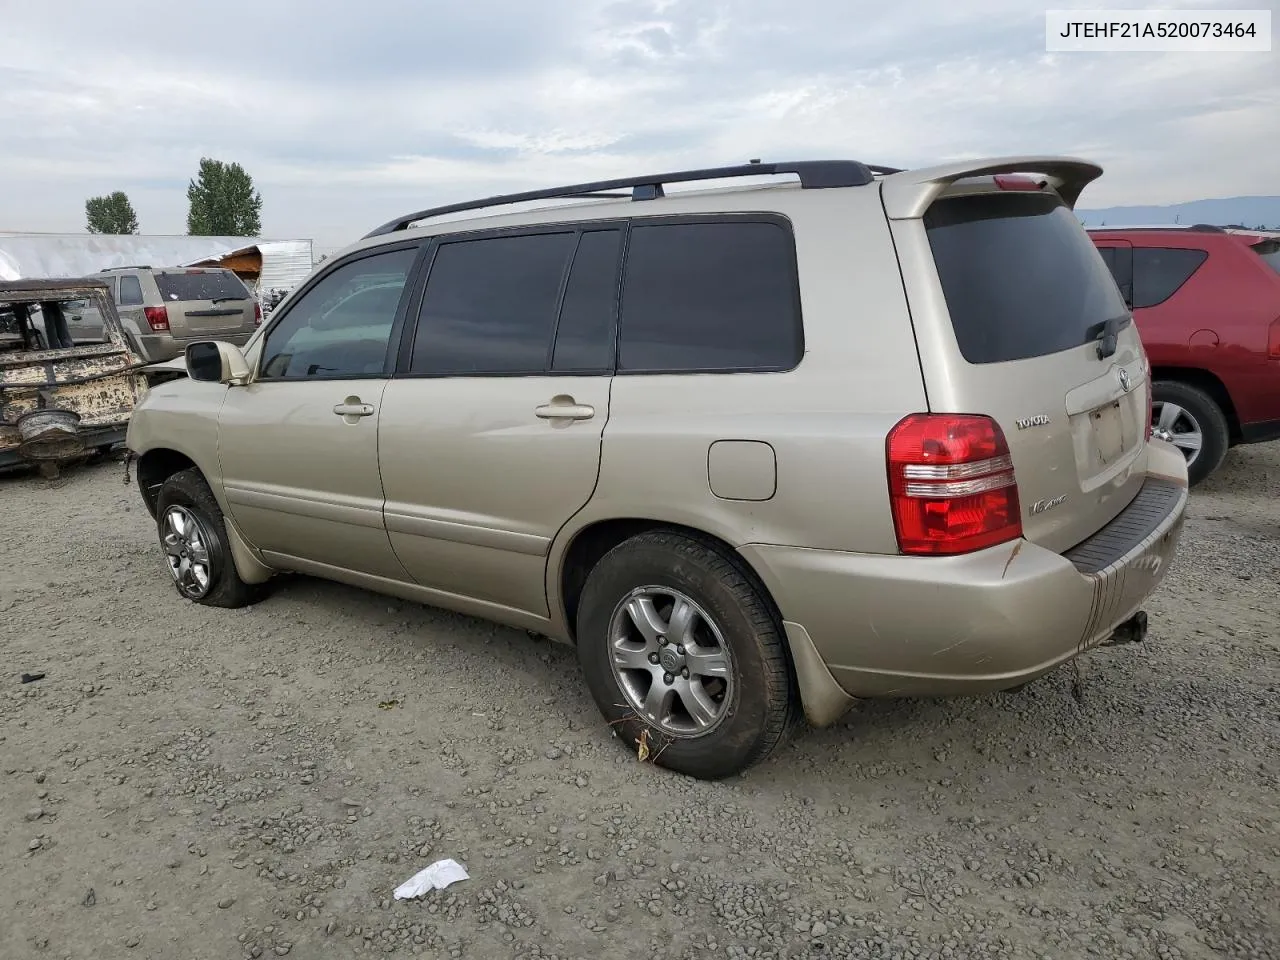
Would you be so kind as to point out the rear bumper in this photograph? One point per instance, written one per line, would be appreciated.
(913, 626)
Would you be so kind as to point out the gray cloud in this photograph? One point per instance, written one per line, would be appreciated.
(347, 115)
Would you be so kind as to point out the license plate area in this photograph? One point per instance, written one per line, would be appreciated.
(1107, 427)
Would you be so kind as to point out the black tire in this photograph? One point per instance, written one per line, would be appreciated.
(188, 491)
(1215, 433)
(760, 705)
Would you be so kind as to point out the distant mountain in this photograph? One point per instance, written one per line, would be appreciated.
(1246, 211)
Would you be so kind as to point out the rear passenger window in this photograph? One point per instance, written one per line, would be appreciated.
(130, 292)
(1158, 272)
(712, 296)
(490, 305)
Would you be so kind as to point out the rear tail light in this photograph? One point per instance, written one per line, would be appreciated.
(157, 318)
(1273, 339)
(257, 314)
(951, 484)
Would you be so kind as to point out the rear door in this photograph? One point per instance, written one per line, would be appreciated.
(1018, 318)
(490, 435)
(205, 303)
(130, 303)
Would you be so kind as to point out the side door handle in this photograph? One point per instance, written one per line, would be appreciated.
(564, 408)
(352, 409)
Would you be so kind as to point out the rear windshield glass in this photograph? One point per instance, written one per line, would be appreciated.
(1269, 250)
(1021, 277)
(210, 285)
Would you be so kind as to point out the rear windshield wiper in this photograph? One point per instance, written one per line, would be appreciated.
(225, 299)
(1107, 334)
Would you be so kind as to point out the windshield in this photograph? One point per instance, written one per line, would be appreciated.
(1021, 277)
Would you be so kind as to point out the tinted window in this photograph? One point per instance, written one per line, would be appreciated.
(710, 296)
(490, 305)
(585, 334)
(1119, 261)
(201, 285)
(1020, 275)
(130, 292)
(1158, 272)
(1269, 251)
(341, 326)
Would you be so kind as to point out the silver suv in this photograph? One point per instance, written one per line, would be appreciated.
(165, 309)
(756, 450)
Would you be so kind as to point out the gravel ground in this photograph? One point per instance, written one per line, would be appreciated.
(196, 783)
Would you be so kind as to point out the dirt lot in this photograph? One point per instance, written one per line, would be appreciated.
(192, 783)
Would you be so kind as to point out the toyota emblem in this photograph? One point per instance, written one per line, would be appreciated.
(1124, 379)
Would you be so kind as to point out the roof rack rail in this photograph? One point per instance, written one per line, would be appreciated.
(884, 171)
(127, 266)
(813, 174)
(1190, 227)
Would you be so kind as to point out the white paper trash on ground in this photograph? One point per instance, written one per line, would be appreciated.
(435, 877)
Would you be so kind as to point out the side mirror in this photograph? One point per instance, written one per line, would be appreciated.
(212, 361)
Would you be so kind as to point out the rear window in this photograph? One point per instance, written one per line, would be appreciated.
(1269, 251)
(202, 285)
(1021, 277)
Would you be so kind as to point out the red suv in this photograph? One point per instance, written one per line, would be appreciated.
(1207, 303)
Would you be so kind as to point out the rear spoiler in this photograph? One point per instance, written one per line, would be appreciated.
(907, 195)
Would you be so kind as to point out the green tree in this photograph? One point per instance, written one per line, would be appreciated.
(112, 213)
(223, 202)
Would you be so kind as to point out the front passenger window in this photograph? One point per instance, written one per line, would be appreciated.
(341, 327)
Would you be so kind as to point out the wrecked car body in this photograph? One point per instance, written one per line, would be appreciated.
(65, 391)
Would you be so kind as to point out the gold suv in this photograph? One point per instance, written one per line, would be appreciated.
(755, 449)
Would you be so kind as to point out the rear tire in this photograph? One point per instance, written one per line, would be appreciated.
(716, 696)
(195, 545)
(1180, 412)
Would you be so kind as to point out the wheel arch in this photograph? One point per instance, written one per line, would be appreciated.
(583, 549)
(1211, 384)
(822, 699)
(157, 465)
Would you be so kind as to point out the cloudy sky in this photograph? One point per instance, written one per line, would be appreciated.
(348, 113)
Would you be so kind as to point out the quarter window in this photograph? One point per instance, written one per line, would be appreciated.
(130, 292)
(341, 327)
(1158, 272)
(585, 334)
(711, 296)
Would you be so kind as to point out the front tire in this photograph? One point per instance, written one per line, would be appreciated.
(683, 652)
(1193, 422)
(196, 548)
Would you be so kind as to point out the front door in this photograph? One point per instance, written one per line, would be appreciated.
(299, 444)
(490, 434)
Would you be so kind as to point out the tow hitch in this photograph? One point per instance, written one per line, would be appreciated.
(1133, 630)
